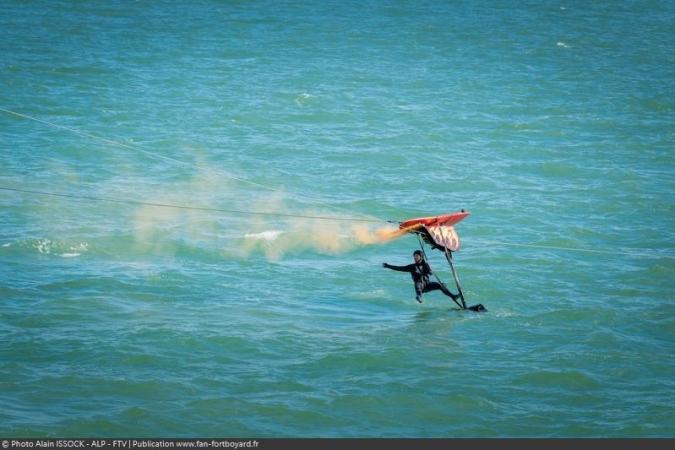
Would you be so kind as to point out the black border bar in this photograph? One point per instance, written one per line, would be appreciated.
(334, 443)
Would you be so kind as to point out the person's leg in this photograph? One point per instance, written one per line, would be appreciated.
(433, 286)
(419, 288)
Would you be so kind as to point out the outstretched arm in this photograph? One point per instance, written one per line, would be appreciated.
(408, 268)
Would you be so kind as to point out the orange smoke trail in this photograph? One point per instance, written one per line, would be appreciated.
(387, 235)
(366, 236)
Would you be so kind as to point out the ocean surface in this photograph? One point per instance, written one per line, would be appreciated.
(551, 122)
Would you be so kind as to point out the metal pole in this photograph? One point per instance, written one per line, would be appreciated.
(448, 256)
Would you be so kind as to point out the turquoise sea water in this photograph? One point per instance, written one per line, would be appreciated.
(551, 122)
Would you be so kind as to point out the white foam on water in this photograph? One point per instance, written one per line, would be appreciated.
(44, 246)
(47, 247)
(76, 250)
(269, 235)
(303, 98)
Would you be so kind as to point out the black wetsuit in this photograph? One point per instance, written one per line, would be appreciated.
(420, 274)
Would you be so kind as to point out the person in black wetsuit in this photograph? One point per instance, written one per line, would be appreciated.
(420, 272)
